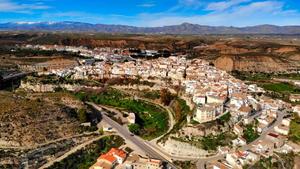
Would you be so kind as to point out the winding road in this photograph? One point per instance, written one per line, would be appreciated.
(151, 152)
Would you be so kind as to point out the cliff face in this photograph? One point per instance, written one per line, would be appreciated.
(254, 64)
(250, 56)
(229, 55)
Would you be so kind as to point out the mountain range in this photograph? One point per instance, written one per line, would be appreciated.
(185, 28)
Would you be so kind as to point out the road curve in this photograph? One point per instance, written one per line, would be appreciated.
(129, 137)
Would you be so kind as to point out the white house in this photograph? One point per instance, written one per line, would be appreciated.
(281, 129)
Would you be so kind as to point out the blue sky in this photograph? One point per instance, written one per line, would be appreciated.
(154, 12)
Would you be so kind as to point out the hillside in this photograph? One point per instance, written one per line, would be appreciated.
(185, 28)
(257, 53)
(251, 56)
(30, 119)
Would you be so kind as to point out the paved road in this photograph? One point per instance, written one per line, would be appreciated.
(267, 131)
(154, 152)
(134, 139)
(73, 150)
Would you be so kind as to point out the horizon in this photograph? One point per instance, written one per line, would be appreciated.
(153, 13)
(56, 22)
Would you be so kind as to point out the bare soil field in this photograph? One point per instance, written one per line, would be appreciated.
(27, 119)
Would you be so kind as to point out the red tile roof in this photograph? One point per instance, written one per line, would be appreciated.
(109, 156)
(118, 152)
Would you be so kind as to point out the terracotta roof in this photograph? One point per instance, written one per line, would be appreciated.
(118, 152)
(108, 158)
(241, 154)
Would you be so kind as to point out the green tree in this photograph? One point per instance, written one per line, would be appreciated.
(82, 116)
(101, 131)
(134, 128)
(250, 134)
(225, 118)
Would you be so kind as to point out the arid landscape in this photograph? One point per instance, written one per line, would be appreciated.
(50, 115)
(149, 84)
(231, 53)
(31, 119)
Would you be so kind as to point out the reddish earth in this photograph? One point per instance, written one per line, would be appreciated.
(251, 56)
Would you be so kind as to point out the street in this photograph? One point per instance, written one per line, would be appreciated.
(154, 152)
(134, 139)
(201, 162)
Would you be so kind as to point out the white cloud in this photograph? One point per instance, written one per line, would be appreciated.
(223, 5)
(10, 6)
(222, 13)
(252, 13)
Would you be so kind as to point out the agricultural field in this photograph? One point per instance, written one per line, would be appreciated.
(281, 88)
(294, 133)
(274, 88)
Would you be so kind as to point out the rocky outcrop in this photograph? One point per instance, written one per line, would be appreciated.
(44, 88)
(38, 87)
(251, 56)
(253, 64)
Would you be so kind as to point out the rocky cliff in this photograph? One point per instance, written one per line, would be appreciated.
(251, 56)
(227, 54)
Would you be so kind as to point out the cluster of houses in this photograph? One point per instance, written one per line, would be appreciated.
(117, 158)
(97, 53)
(210, 91)
(267, 147)
(213, 93)
(272, 139)
(105, 53)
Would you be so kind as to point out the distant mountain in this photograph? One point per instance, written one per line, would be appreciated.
(185, 28)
